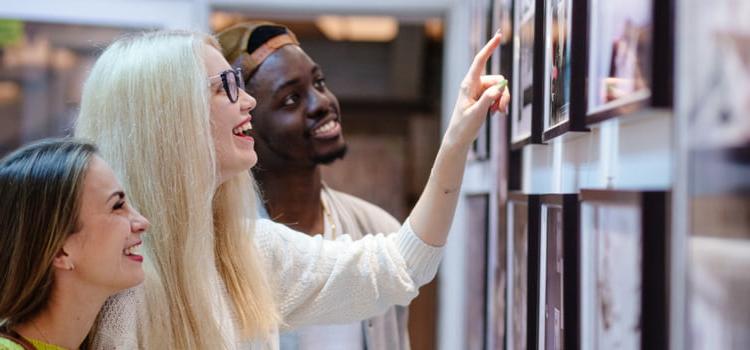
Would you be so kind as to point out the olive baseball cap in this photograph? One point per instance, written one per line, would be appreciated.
(247, 45)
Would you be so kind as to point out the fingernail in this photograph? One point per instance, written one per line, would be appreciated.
(498, 32)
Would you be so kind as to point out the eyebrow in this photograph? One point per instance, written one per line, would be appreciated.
(315, 68)
(119, 194)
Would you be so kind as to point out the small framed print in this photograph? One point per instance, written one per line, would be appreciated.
(498, 292)
(624, 262)
(630, 57)
(564, 72)
(718, 285)
(525, 122)
(718, 309)
(523, 267)
(481, 24)
(475, 303)
(559, 294)
(714, 72)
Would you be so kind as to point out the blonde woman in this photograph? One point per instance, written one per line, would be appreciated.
(68, 241)
(170, 115)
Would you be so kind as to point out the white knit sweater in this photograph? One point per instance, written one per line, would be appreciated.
(318, 282)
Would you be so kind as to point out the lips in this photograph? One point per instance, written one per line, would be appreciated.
(132, 252)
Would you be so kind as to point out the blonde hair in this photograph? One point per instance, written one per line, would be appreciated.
(146, 106)
(45, 177)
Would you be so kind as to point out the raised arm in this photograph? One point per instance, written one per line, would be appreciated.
(432, 216)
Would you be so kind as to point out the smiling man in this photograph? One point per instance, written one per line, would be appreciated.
(297, 128)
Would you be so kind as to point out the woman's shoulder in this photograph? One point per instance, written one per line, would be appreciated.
(7, 344)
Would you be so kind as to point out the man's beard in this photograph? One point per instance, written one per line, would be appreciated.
(329, 158)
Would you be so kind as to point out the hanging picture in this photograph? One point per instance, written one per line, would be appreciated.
(719, 249)
(480, 33)
(559, 285)
(715, 72)
(524, 127)
(623, 270)
(564, 67)
(476, 272)
(501, 63)
(630, 57)
(523, 228)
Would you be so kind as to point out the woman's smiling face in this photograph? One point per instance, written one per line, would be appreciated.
(234, 150)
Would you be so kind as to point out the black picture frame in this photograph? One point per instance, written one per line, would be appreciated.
(714, 73)
(481, 27)
(525, 119)
(475, 303)
(564, 67)
(559, 279)
(647, 69)
(524, 256)
(626, 287)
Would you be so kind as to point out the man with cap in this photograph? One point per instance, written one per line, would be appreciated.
(297, 128)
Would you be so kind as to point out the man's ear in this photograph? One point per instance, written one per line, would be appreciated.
(63, 261)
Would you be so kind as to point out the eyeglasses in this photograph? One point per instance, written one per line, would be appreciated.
(231, 80)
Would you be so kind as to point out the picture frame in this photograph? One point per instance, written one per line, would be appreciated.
(563, 75)
(559, 276)
(481, 32)
(714, 73)
(719, 247)
(523, 267)
(718, 243)
(624, 269)
(630, 57)
(525, 119)
(475, 302)
(498, 292)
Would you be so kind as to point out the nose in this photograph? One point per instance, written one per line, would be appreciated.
(247, 102)
(138, 223)
(319, 104)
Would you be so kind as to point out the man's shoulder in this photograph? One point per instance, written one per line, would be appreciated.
(364, 210)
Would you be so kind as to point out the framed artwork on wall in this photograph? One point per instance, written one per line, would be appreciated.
(524, 253)
(525, 125)
(559, 294)
(563, 75)
(475, 303)
(719, 249)
(481, 24)
(624, 262)
(629, 57)
(715, 72)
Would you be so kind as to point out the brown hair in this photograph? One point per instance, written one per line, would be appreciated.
(40, 186)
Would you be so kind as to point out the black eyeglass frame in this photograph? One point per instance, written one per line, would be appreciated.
(239, 82)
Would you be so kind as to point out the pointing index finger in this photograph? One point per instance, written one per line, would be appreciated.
(480, 60)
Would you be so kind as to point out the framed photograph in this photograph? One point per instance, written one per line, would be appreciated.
(558, 326)
(525, 122)
(630, 57)
(624, 262)
(714, 73)
(498, 292)
(564, 72)
(481, 24)
(718, 310)
(719, 249)
(523, 265)
(475, 303)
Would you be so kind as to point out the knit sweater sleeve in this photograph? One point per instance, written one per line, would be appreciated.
(321, 281)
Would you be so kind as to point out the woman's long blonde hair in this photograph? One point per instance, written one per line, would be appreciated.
(146, 106)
